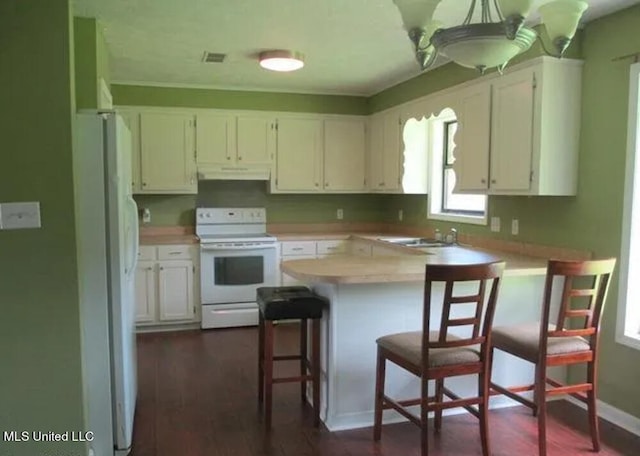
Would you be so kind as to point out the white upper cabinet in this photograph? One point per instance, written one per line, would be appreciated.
(215, 139)
(167, 153)
(229, 140)
(254, 139)
(473, 113)
(298, 155)
(385, 145)
(344, 154)
(535, 131)
(132, 121)
(512, 131)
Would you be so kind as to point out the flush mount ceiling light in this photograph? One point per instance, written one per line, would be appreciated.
(491, 42)
(281, 60)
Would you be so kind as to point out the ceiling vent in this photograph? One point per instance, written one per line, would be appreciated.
(213, 57)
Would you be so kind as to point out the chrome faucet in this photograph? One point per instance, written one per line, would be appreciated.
(452, 237)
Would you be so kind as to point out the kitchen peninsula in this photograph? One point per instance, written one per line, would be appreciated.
(375, 296)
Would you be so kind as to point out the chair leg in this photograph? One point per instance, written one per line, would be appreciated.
(303, 358)
(377, 417)
(541, 402)
(483, 409)
(591, 405)
(315, 369)
(424, 417)
(437, 421)
(534, 409)
(268, 371)
(260, 359)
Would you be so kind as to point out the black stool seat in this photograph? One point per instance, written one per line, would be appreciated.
(284, 303)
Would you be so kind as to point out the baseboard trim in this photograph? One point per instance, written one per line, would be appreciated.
(613, 415)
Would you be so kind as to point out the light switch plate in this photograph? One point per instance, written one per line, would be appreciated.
(495, 224)
(515, 227)
(18, 216)
(339, 214)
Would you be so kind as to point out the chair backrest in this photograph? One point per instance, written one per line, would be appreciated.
(482, 315)
(596, 275)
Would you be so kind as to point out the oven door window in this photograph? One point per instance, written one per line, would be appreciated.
(239, 270)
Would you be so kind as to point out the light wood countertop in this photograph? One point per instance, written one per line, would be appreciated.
(350, 269)
(167, 235)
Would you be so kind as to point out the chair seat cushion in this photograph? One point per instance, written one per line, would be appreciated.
(408, 345)
(283, 303)
(524, 341)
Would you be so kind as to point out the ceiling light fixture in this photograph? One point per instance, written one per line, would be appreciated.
(489, 43)
(281, 60)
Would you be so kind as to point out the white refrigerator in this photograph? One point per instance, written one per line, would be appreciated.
(106, 222)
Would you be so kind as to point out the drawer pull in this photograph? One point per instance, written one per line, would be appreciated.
(175, 253)
(296, 248)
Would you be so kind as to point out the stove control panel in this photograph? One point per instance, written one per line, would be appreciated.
(215, 216)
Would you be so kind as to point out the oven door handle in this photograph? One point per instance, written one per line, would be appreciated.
(237, 247)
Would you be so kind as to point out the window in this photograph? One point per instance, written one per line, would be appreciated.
(444, 204)
(628, 324)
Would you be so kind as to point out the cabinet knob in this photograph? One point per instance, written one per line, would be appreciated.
(228, 158)
(239, 158)
(493, 181)
(317, 185)
(381, 184)
(144, 184)
(149, 268)
(326, 184)
(161, 268)
(483, 181)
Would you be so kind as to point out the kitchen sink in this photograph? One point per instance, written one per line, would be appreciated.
(415, 242)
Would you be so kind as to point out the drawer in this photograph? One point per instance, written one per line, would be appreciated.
(332, 247)
(174, 252)
(146, 253)
(290, 248)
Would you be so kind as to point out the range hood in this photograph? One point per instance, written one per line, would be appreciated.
(234, 173)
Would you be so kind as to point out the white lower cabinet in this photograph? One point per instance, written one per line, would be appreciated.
(166, 289)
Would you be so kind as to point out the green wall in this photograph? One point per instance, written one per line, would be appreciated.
(237, 99)
(179, 209)
(91, 63)
(40, 346)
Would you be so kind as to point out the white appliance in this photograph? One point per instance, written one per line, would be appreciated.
(236, 257)
(107, 247)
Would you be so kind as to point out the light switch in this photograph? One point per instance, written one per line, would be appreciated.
(18, 216)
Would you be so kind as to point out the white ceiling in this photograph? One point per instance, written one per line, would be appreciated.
(355, 47)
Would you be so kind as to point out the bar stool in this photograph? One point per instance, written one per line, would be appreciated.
(289, 303)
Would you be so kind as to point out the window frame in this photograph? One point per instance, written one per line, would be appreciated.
(629, 315)
(437, 150)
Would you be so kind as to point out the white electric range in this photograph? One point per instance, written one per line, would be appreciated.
(236, 257)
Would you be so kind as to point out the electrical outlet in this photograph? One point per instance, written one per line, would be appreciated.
(495, 224)
(146, 215)
(400, 215)
(340, 214)
(515, 227)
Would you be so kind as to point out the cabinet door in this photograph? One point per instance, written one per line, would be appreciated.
(512, 131)
(215, 139)
(132, 121)
(254, 140)
(472, 139)
(392, 151)
(145, 296)
(175, 290)
(299, 154)
(376, 149)
(344, 154)
(167, 153)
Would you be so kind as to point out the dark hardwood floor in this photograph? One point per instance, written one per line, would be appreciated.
(197, 397)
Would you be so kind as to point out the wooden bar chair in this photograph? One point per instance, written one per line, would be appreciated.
(436, 355)
(563, 343)
(289, 303)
